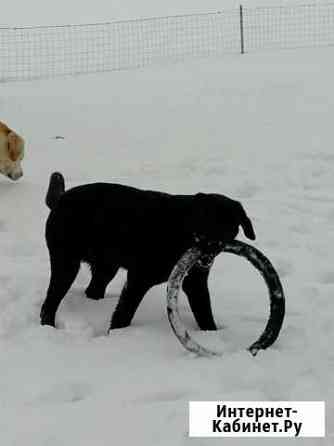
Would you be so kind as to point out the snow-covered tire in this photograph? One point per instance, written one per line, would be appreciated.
(261, 263)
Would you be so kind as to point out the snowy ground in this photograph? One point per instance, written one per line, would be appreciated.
(258, 128)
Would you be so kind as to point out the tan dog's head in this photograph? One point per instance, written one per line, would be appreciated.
(11, 153)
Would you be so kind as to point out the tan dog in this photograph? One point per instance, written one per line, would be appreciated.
(11, 152)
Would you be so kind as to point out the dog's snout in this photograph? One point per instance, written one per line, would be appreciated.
(15, 175)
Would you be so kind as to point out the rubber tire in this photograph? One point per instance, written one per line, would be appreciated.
(261, 263)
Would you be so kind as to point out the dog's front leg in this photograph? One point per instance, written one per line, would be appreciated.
(132, 294)
(195, 285)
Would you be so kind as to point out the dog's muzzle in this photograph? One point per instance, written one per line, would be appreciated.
(210, 249)
(15, 175)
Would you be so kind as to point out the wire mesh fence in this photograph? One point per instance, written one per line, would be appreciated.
(289, 27)
(50, 51)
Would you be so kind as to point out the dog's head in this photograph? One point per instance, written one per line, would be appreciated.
(11, 154)
(218, 218)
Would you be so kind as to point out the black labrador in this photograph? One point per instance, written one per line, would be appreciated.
(111, 226)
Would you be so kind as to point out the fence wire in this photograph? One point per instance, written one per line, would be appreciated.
(289, 27)
(49, 51)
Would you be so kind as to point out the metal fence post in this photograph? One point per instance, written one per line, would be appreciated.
(242, 42)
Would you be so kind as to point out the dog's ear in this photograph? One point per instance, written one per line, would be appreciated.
(246, 223)
(15, 146)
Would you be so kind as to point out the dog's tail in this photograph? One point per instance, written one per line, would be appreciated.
(55, 190)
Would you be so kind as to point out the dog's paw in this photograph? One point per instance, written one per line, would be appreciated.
(47, 317)
(48, 320)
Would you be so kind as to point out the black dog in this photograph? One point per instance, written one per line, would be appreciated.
(111, 226)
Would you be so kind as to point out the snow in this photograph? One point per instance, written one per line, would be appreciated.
(255, 127)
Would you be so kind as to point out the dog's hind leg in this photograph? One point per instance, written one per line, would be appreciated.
(63, 273)
(101, 277)
(195, 286)
(132, 294)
